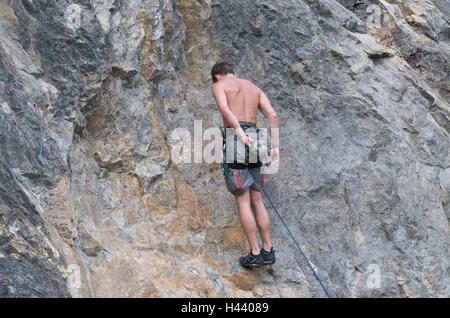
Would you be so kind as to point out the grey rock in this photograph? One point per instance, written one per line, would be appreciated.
(90, 92)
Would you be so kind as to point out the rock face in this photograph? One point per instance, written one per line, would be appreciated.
(92, 204)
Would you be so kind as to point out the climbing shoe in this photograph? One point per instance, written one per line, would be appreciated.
(251, 260)
(268, 257)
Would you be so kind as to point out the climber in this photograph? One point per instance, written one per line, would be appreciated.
(239, 99)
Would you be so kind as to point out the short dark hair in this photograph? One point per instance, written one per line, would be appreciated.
(221, 68)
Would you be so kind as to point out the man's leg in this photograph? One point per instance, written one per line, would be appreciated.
(262, 218)
(248, 220)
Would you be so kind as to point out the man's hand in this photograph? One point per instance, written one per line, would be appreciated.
(242, 136)
(247, 140)
(274, 156)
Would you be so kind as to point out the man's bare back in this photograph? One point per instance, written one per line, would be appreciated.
(243, 99)
(238, 99)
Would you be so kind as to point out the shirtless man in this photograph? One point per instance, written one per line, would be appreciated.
(238, 99)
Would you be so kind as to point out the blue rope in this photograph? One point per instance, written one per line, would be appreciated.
(298, 246)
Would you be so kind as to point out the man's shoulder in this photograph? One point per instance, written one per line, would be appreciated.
(247, 81)
(216, 86)
(251, 84)
(225, 85)
(253, 87)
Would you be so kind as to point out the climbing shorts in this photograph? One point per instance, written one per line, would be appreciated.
(239, 180)
(242, 170)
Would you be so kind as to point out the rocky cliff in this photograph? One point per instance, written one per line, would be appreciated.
(92, 204)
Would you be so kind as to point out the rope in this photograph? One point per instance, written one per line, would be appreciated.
(296, 243)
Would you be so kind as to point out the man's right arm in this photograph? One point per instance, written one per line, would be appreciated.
(221, 100)
(267, 110)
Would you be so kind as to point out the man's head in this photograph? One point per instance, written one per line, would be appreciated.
(220, 69)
